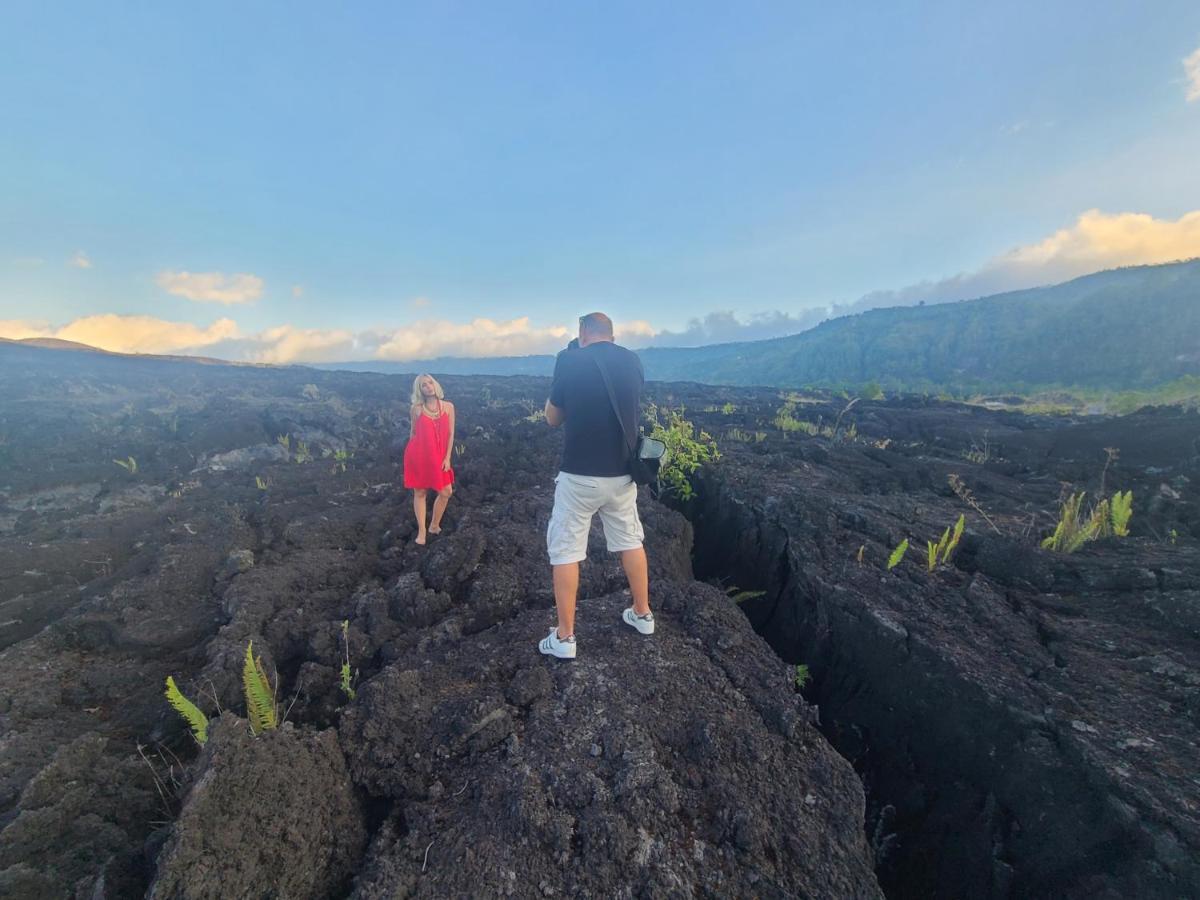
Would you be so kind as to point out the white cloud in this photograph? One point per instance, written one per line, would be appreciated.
(1191, 66)
(19, 329)
(127, 334)
(1097, 240)
(286, 344)
(212, 287)
(479, 337)
(297, 291)
(80, 260)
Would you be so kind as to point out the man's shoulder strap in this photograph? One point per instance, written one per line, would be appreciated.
(612, 398)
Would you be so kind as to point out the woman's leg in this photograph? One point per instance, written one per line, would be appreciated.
(439, 507)
(419, 510)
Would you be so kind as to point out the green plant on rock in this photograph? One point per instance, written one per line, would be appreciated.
(347, 680)
(261, 708)
(1075, 527)
(129, 464)
(303, 454)
(801, 676)
(261, 483)
(191, 714)
(1122, 512)
(728, 409)
(939, 552)
(285, 441)
(339, 459)
(687, 450)
(739, 596)
(897, 554)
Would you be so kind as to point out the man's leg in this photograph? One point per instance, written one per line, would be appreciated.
(637, 570)
(566, 589)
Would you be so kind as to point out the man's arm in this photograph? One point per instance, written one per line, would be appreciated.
(554, 415)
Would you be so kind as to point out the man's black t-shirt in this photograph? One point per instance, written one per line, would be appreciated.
(595, 444)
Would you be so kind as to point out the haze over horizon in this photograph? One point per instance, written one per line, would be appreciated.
(280, 184)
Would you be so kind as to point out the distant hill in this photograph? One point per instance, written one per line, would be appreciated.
(1123, 329)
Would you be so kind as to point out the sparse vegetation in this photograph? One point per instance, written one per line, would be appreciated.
(339, 459)
(129, 464)
(1076, 527)
(738, 596)
(261, 483)
(897, 554)
(687, 451)
(285, 441)
(347, 680)
(746, 437)
(303, 455)
(964, 494)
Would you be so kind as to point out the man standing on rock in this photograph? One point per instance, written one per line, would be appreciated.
(593, 383)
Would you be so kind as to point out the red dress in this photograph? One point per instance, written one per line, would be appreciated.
(425, 452)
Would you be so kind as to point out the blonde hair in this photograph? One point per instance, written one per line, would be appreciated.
(417, 397)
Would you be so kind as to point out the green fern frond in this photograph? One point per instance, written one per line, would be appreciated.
(260, 698)
(897, 554)
(186, 708)
(1122, 512)
(954, 538)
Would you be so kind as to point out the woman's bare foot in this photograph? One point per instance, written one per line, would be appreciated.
(421, 539)
(435, 529)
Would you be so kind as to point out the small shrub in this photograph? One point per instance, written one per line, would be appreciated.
(129, 464)
(802, 676)
(687, 451)
(285, 441)
(302, 452)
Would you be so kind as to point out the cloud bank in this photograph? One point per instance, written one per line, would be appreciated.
(1096, 240)
(1191, 66)
(212, 287)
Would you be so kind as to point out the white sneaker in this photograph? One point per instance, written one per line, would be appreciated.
(551, 645)
(644, 624)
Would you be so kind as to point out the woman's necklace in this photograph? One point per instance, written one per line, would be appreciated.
(435, 411)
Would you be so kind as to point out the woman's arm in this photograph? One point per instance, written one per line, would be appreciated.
(450, 442)
(413, 412)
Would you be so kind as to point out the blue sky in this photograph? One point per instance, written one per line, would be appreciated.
(374, 171)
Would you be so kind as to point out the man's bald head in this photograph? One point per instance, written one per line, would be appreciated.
(594, 327)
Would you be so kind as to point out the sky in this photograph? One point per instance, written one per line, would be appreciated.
(311, 182)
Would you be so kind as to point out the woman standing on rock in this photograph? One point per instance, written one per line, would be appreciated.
(427, 456)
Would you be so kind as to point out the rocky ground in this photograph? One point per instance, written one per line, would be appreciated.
(1024, 723)
(685, 764)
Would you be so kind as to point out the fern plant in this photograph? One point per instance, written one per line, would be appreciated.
(1075, 527)
(897, 554)
(196, 720)
(1122, 512)
(939, 552)
(260, 696)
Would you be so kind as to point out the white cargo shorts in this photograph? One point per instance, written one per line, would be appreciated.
(579, 497)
